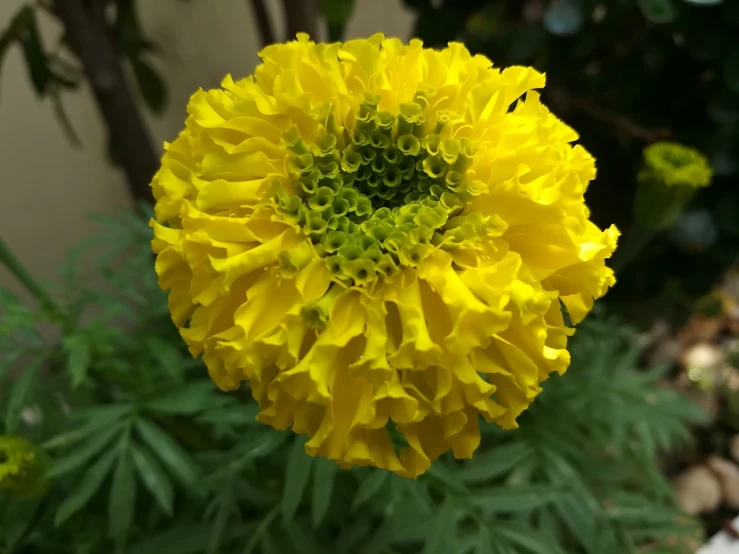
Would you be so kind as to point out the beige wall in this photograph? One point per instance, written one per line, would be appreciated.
(48, 186)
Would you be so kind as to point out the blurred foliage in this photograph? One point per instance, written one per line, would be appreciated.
(54, 69)
(149, 457)
(627, 73)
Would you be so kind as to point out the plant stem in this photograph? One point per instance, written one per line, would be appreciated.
(634, 243)
(264, 24)
(261, 529)
(19, 271)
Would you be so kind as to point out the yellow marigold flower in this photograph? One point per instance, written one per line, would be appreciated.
(377, 236)
(22, 467)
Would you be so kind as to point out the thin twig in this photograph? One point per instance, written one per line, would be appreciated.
(264, 24)
(620, 122)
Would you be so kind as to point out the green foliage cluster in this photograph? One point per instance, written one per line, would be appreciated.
(149, 457)
(625, 74)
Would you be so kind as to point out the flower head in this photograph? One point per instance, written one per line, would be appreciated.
(676, 165)
(378, 236)
(670, 178)
(22, 467)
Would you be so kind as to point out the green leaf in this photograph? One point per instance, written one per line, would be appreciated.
(151, 84)
(76, 435)
(323, 488)
(528, 539)
(166, 355)
(86, 488)
(20, 395)
(337, 14)
(512, 498)
(183, 539)
(494, 463)
(443, 531)
(658, 11)
(33, 50)
(169, 451)
(153, 477)
(79, 357)
(370, 486)
(296, 478)
(81, 454)
(193, 398)
(122, 498)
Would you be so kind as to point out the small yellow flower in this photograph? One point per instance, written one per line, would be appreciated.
(676, 165)
(22, 467)
(378, 238)
(670, 178)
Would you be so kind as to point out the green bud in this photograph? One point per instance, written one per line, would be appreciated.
(22, 468)
(322, 200)
(351, 161)
(315, 225)
(341, 206)
(324, 145)
(335, 266)
(302, 164)
(409, 145)
(392, 155)
(364, 206)
(384, 120)
(368, 154)
(362, 271)
(434, 166)
(333, 240)
(380, 139)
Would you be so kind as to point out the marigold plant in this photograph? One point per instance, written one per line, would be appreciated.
(379, 238)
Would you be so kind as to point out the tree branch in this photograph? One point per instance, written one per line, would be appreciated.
(301, 16)
(264, 24)
(88, 37)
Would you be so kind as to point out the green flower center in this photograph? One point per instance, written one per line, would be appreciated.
(381, 195)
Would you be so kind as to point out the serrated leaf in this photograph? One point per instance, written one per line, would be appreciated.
(236, 415)
(183, 539)
(443, 531)
(79, 357)
(82, 454)
(296, 478)
(190, 399)
(76, 435)
(122, 498)
(528, 539)
(88, 485)
(172, 455)
(512, 498)
(153, 477)
(151, 84)
(494, 463)
(20, 395)
(370, 486)
(166, 355)
(323, 488)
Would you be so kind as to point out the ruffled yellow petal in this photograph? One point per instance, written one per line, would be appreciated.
(378, 237)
